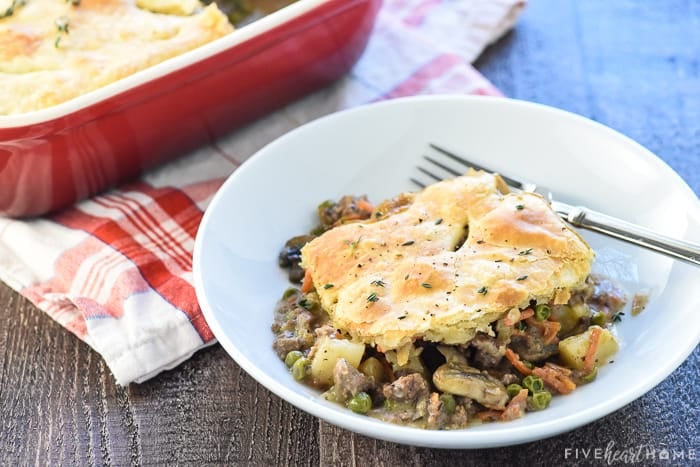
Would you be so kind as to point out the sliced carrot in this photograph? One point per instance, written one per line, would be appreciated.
(514, 360)
(558, 368)
(553, 378)
(307, 283)
(516, 406)
(589, 359)
(549, 329)
(526, 313)
(511, 320)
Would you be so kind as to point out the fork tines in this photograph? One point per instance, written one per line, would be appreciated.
(442, 166)
(446, 164)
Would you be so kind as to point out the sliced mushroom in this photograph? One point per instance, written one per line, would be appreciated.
(462, 380)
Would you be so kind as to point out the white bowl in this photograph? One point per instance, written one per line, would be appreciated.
(373, 150)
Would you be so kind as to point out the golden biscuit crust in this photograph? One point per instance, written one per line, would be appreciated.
(53, 50)
(392, 280)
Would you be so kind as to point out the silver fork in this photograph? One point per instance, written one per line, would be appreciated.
(578, 216)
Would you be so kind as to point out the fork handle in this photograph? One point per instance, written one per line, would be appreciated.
(623, 230)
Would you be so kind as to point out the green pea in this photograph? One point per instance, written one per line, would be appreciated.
(588, 377)
(299, 368)
(513, 389)
(292, 357)
(289, 292)
(533, 383)
(448, 403)
(360, 403)
(599, 319)
(541, 399)
(542, 312)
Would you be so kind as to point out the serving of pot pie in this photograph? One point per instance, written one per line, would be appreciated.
(455, 258)
(457, 304)
(54, 50)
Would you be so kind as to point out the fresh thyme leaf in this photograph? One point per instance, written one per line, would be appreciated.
(12, 8)
(483, 290)
(521, 278)
(427, 285)
(353, 244)
(328, 286)
(525, 252)
(62, 24)
(439, 221)
(519, 207)
(617, 317)
(378, 283)
(408, 243)
(372, 297)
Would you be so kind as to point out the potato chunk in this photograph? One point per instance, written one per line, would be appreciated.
(572, 350)
(328, 352)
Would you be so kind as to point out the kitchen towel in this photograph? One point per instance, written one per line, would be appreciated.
(116, 269)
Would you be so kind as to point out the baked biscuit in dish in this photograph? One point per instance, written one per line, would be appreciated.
(454, 258)
(54, 50)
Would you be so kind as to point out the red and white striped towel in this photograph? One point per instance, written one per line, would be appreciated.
(116, 270)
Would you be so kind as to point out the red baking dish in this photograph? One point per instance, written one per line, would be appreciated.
(54, 157)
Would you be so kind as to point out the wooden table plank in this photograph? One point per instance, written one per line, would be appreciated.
(60, 406)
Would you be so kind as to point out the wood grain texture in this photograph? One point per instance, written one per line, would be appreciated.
(631, 65)
(60, 406)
